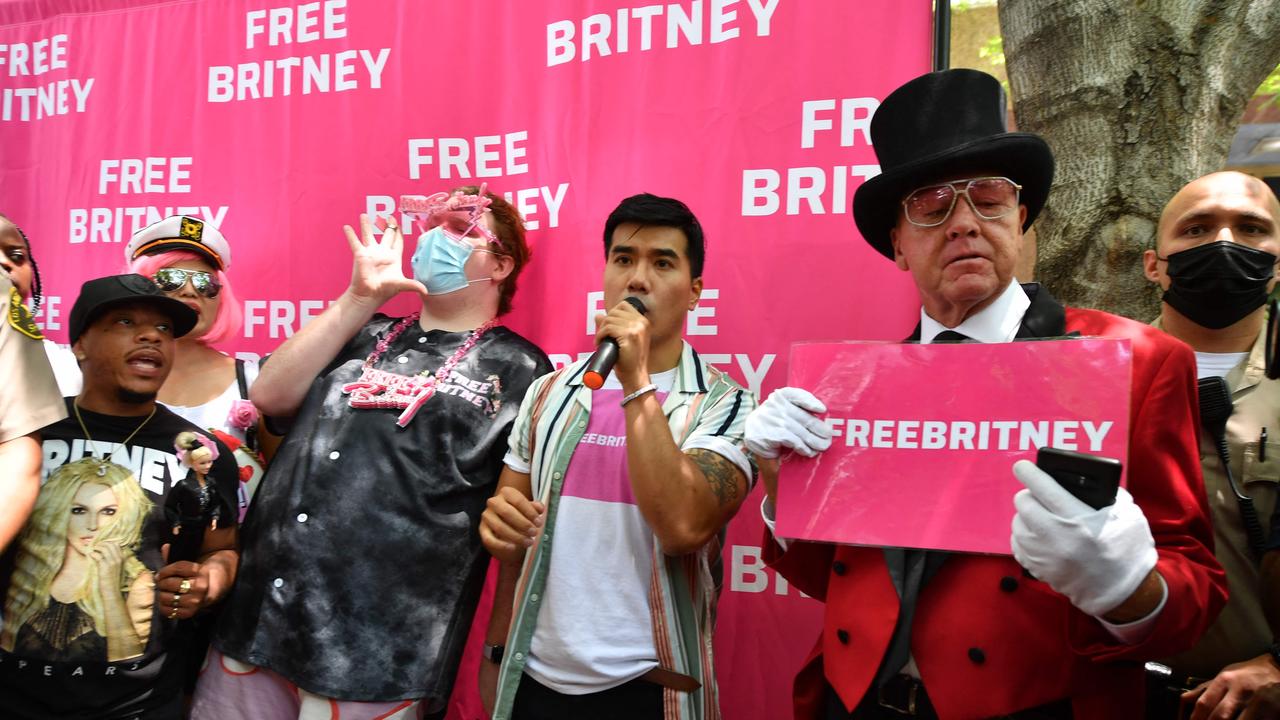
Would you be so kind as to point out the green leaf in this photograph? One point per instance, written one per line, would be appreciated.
(993, 51)
(1270, 86)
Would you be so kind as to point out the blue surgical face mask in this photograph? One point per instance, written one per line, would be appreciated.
(439, 260)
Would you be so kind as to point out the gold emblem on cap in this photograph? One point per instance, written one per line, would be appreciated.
(20, 317)
(191, 228)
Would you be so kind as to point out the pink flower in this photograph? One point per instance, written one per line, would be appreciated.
(243, 415)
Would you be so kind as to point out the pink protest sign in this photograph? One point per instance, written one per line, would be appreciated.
(925, 435)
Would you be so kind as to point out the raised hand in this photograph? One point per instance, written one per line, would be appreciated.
(630, 330)
(377, 272)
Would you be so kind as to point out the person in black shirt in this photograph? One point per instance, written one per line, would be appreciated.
(92, 603)
(362, 566)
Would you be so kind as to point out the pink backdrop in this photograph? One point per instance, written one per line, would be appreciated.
(281, 122)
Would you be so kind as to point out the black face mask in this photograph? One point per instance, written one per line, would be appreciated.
(1219, 283)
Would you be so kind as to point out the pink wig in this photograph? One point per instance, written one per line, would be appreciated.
(226, 325)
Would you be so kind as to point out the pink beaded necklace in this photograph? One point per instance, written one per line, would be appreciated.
(378, 389)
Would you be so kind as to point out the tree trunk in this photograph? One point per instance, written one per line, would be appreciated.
(1136, 99)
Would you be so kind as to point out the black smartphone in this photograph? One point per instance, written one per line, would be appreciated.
(1092, 478)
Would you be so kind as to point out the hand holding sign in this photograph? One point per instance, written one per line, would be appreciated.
(1097, 558)
(917, 440)
(787, 420)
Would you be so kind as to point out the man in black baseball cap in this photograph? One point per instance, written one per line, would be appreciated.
(933, 634)
(103, 637)
(97, 295)
(122, 329)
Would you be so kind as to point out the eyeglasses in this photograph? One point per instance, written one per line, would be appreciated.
(464, 222)
(990, 197)
(459, 214)
(172, 279)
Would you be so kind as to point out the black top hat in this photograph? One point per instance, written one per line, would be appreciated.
(97, 295)
(938, 124)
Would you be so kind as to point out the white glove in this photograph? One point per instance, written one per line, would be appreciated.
(1097, 558)
(786, 420)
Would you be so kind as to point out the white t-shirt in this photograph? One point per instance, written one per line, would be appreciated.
(213, 414)
(65, 368)
(594, 631)
(1217, 364)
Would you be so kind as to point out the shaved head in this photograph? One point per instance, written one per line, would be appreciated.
(1229, 190)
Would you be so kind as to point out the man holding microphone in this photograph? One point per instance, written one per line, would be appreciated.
(619, 495)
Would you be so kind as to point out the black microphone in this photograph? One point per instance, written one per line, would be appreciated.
(606, 354)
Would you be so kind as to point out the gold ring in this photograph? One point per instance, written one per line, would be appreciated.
(176, 599)
(184, 586)
(174, 615)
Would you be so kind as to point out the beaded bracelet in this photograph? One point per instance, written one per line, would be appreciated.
(647, 388)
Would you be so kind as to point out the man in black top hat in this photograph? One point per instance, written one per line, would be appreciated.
(952, 635)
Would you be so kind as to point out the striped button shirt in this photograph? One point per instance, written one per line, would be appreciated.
(703, 404)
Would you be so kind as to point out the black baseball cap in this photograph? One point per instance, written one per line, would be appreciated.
(100, 294)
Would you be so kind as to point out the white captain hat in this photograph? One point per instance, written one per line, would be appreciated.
(181, 232)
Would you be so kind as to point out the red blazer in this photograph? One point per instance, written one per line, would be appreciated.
(989, 640)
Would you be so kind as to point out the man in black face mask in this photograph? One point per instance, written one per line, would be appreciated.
(1215, 256)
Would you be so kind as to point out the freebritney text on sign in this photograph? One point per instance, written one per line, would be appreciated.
(1022, 435)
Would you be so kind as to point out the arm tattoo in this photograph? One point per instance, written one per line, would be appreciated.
(722, 475)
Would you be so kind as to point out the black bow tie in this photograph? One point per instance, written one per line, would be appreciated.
(951, 336)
